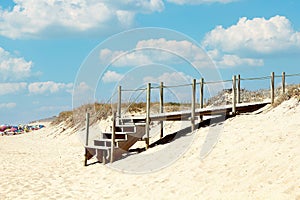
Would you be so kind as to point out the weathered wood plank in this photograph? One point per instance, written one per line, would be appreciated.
(185, 115)
(193, 104)
(272, 87)
(148, 114)
(234, 95)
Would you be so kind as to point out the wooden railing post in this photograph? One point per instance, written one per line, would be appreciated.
(119, 109)
(239, 89)
(113, 136)
(193, 104)
(283, 82)
(272, 87)
(201, 96)
(87, 123)
(161, 108)
(148, 114)
(234, 95)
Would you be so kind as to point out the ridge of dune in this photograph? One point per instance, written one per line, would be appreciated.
(256, 157)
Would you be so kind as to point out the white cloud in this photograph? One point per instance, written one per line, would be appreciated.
(144, 6)
(30, 18)
(83, 86)
(112, 76)
(158, 51)
(193, 2)
(83, 90)
(230, 60)
(183, 48)
(165, 51)
(170, 79)
(234, 60)
(12, 88)
(172, 51)
(12, 68)
(123, 58)
(255, 35)
(7, 105)
(49, 87)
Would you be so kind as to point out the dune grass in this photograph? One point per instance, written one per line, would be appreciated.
(292, 91)
(100, 111)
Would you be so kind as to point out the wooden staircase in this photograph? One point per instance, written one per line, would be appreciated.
(127, 133)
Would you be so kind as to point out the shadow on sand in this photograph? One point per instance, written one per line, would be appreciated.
(172, 137)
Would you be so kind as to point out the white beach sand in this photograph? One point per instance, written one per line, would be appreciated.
(257, 156)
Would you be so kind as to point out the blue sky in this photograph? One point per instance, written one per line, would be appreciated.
(43, 43)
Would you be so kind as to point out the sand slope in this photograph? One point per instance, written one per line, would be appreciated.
(256, 157)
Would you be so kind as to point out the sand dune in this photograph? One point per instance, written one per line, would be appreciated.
(256, 157)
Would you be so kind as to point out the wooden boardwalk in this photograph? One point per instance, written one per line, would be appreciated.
(186, 115)
(134, 128)
(127, 130)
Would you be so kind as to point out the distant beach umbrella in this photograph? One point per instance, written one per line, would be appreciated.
(3, 128)
(13, 129)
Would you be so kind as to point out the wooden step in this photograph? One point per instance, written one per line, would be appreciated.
(125, 120)
(125, 125)
(95, 147)
(125, 128)
(134, 119)
(103, 142)
(130, 128)
(126, 135)
(106, 142)
(103, 153)
(118, 135)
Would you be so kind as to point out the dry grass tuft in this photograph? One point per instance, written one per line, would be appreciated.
(291, 91)
(141, 107)
(99, 111)
(225, 97)
(136, 107)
